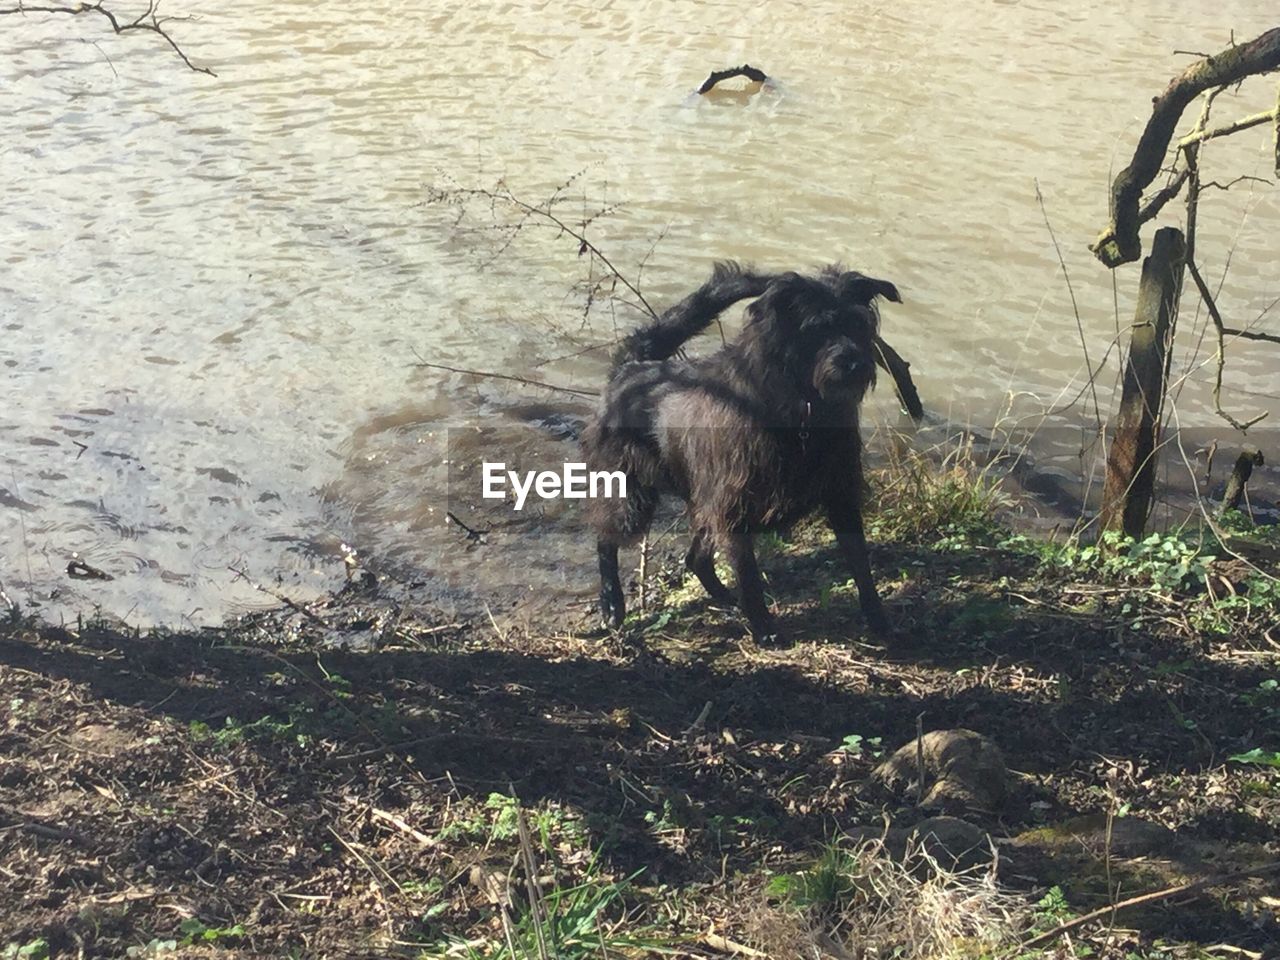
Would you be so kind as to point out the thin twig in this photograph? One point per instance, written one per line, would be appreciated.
(919, 759)
(545, 212)
(1084, 346)
(292, 605)
(577, 391)
(537, 906)
(1252, 335)
(1183, 888)
(147, 21)
(1220, 327)
(642, 595)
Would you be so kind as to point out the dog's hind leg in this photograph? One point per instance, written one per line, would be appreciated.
(845, 516)
(742, 557)
(700, 561)
(619, 521)
(612, 603)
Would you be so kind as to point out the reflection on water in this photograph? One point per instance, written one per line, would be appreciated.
(216, 291)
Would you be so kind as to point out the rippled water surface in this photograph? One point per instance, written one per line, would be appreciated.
(215, 291)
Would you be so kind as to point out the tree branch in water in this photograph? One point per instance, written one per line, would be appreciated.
(148, 21)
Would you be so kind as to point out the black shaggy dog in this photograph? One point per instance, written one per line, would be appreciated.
(752, 438)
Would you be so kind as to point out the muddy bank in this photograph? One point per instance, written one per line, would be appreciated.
(258, 791)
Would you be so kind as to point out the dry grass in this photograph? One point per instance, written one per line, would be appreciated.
(920, 493)
(910, 908)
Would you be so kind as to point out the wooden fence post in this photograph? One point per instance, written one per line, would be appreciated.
(1131, 461)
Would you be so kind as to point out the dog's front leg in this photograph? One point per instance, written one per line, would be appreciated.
(742, 557)
(845, 516)
(701, 562)
(613, 606)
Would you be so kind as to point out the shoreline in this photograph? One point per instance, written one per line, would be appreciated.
(255, 790)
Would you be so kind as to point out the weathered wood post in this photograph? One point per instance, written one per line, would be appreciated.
(1249, 458)
(1131, 461)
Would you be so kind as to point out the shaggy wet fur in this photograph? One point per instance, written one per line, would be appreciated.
(752, 437)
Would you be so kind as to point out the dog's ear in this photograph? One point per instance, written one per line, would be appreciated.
(885, 289)
(782, 298)
(854, 287)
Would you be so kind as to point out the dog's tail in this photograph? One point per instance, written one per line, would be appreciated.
(664, 336)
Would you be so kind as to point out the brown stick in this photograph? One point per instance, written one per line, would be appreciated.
(1193, 887)
(399, 824)
(1120, 242)
(903, 385)
(1275, 116)
(919, 759)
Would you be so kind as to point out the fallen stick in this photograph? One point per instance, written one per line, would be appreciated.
(725, 945)
(393, 820)
(1194, 887)
(291, 604)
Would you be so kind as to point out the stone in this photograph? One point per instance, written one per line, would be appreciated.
(964, 772)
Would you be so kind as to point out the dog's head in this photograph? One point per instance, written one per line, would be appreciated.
(822, 331)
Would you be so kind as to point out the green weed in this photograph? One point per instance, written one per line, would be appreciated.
(827, 886)
(37, 949)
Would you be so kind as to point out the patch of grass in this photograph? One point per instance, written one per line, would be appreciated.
(947, 502)
(586, 921)
(827, 886)
(872, 904)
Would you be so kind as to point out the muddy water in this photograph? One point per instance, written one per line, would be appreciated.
(214, 291)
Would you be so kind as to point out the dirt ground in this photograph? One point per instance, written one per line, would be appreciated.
(262, 791)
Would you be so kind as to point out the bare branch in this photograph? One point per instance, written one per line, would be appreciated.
(545, 211)
(147, 21)
(1220, 327)
(1151, 209)
(1231, 183)
(1252, 335)
(1276, 116)
(1244, 123)
(1120, 242)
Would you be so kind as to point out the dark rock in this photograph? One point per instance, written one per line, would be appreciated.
(964, 772)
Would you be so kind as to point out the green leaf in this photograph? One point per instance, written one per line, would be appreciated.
(1268, 758)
